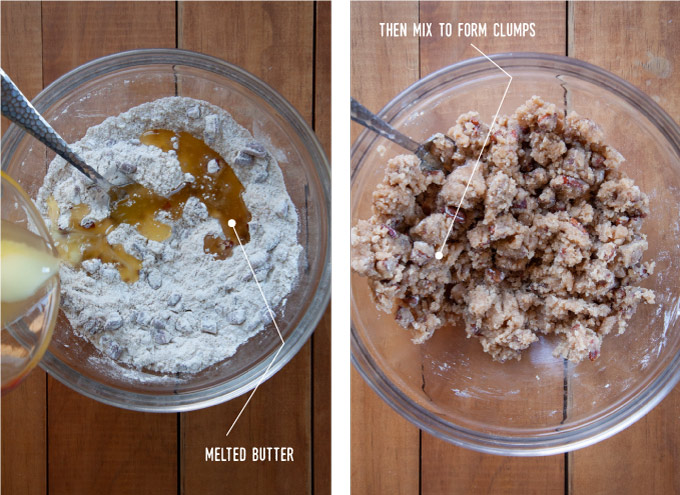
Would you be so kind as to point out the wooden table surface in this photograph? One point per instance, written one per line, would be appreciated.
(58, 442)
(389, 454)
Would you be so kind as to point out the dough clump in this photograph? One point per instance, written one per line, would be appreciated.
(547, 239)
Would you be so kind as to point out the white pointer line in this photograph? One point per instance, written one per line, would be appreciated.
(232, 224)
(439, 254)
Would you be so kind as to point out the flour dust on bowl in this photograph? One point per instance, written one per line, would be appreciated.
(160, 311)
(541, 404)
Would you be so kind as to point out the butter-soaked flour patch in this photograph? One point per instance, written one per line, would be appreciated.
(187, 310)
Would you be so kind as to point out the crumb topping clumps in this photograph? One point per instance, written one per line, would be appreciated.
(547, 239)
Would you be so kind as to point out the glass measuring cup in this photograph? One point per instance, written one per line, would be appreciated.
(30, 303)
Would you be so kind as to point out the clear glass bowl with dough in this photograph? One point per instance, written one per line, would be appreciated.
(113, 84)
(540, 405)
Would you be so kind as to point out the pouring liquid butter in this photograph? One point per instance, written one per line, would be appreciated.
(26, 266)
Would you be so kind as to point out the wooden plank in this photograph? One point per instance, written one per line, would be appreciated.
(95, 448)
(470, 472)
(643, 53)
(22, 60)
(385, 447)
(277, 416)
(77, 32)
(437, 51)
(274, 41)
(322, 71)
(24, 410)
(24, 430)
(92, 447)
(445, 467)
(321, 340)
(321, 405)
(381, 67)
(639, 41)
(640, 459)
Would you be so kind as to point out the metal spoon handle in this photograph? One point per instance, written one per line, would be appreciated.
(17, 108)
(365, 117)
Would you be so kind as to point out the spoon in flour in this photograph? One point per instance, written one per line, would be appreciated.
(17, 108)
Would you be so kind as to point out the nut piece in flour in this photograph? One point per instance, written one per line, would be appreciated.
(194, 112)
(127, 168)
(186, 323)
(236, 317)
(113, 322)
(209, 326)
(243, 159)
(255, 149)
(154, 279)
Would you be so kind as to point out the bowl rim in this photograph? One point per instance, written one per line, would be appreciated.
(251, 378)
(553, 443)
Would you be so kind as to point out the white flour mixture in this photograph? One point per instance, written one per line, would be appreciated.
(188, 310)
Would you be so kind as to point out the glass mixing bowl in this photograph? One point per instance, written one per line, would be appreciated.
(110, 85)
(540, 405)
(27, 325)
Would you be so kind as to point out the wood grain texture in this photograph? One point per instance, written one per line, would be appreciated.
(381, 67)
(641, 459)
(278, 415)
(24, 412)
(322, 76)
(77, 32)
(22, 62)
(274, 41)
(448, 469)
(637, 41)
(437, 52)
(321, 339)
(95, 448)
(24, 431)
(321, 406)
(640, 42)
(385, 447)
